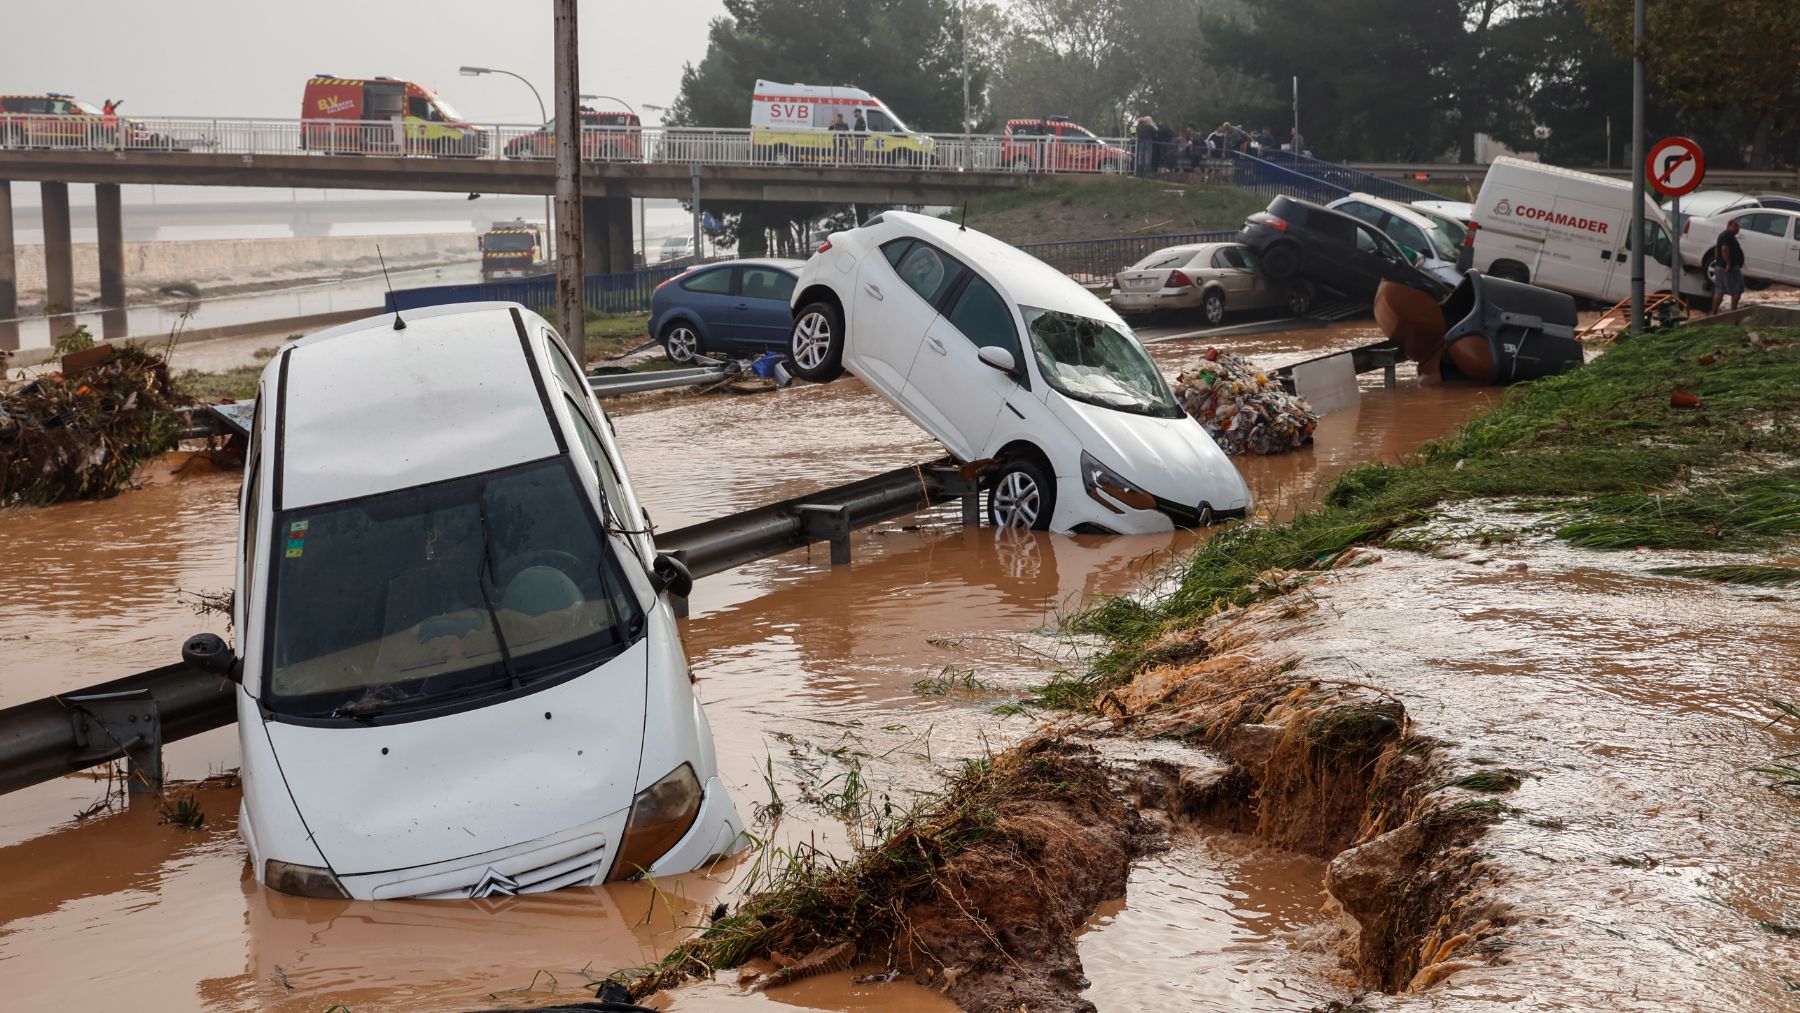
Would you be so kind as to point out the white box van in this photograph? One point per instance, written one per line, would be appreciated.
(792, 122)
(1568, 231)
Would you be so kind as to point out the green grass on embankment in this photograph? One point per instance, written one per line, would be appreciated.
(1601, 450)
(1104, 208)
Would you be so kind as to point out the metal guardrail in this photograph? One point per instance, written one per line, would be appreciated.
(615, 384)
(528, 142)
(1266, 179)
(132, 717)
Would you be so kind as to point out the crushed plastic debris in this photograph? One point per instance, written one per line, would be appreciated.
(1244, 409)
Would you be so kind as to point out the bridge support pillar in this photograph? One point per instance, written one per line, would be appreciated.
(606, 235)
(109, 218)
(9, 273)
(59, 260)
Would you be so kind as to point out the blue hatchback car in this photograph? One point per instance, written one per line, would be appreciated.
(738, 307)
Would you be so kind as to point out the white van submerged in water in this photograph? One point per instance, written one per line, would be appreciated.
(457, 673)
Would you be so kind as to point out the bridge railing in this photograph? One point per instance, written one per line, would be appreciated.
(1267, 179)
(531, 142)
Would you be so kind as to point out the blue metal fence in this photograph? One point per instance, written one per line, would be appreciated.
(1267, 179)
(626, 292)
(1347, 178)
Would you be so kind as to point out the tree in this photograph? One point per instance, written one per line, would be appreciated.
(1740, 62)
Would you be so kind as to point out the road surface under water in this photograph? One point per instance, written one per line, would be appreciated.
(807, 671)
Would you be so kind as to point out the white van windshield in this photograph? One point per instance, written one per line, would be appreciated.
(1098, 363)
(462, 588)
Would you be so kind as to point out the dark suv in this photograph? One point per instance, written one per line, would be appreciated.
(1299, 239)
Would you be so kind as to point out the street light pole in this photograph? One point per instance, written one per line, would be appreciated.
(963, 20)
(1636, 149)
(571, 308)
(549, 222)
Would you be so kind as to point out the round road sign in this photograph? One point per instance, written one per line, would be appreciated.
(1676, 166)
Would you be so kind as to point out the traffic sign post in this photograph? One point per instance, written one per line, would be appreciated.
(1676, 166)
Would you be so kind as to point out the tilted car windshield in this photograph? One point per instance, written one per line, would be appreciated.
(1099, 363)
(461, 588)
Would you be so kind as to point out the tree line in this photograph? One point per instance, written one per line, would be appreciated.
(1379, 80)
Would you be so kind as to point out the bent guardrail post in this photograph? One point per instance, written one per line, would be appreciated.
(128, 721)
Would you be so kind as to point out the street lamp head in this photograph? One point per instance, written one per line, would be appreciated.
(474, 71)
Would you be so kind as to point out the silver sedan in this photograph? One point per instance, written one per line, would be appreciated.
(1212, 277)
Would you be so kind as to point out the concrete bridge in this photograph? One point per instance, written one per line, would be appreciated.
(702, 165)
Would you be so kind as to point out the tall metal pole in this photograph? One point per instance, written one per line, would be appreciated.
(570, 308)
(1636, 149)
(1296, 138)
(694, 171)
(963, 20)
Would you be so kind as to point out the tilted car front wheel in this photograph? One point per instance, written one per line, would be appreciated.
(680, 342)
(1022, 496)
(817, 343)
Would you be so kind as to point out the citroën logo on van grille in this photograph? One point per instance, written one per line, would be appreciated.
(494, 884)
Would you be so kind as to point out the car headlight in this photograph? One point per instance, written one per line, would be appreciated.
(1097, 478)
(661, 815)
(302, 880)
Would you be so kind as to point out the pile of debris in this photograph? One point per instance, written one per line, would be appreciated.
(82, 433)
(1244, 409)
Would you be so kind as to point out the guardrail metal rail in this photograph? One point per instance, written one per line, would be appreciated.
(132, 717)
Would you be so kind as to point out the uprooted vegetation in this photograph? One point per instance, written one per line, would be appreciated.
(82, 434)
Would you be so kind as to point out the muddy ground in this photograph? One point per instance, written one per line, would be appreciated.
(1633, 864)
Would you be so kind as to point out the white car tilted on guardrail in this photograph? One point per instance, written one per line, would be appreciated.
(457, 675)
(1004, 358)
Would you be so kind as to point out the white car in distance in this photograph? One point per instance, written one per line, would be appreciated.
(1770, 239)
(1005, 359)
(457, 673)
(1214, 278)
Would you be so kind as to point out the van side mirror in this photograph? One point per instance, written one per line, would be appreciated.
(209, 653)
(999, 358)
(670, 574)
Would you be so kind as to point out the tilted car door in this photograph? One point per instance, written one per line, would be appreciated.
(959, 396)
(710, 294)
(896, 300)
(762, 310)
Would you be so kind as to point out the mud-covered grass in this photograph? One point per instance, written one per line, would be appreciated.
(1734, 573)
(236, 384)
(1057, 210)
(610, 334)
(1602, 447)
(978, 890)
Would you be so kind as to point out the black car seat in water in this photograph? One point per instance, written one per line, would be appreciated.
(1529, 331)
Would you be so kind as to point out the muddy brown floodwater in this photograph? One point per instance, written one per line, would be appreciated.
(808, 671)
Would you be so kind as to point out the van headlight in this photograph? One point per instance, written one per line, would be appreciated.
(1097, 478)
(302, 880)
(661, 815)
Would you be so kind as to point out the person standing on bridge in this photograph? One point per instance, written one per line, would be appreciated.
(859, 132)
(1146, 141)
(109, 121)
(841, 142)
(1727, 267)
(1298, 144)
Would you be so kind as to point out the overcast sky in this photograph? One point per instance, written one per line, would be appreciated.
(238, 58)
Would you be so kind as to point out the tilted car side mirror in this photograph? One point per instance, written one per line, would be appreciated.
(999, 358)
(671, 575)
(209, 653)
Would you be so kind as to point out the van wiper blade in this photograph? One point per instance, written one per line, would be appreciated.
(485, 580)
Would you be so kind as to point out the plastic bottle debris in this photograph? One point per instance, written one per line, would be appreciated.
(1243, 408)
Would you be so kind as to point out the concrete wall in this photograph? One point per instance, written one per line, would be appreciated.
(239, 259)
